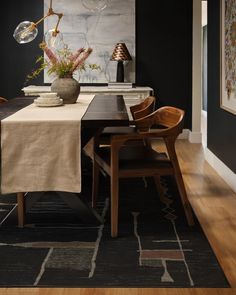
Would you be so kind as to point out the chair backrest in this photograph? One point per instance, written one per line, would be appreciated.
(168, 119)
(2, 99)
(144, 108)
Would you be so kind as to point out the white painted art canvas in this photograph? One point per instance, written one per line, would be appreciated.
(100, 29)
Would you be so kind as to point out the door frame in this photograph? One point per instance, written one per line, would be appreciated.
(195, 135)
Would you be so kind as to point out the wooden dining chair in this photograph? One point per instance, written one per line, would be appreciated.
(122, 160)
(2, 99)
(138, 111)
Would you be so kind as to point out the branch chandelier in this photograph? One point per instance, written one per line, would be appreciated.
(27, 31)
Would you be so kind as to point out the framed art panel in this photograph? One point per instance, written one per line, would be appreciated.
(100, 28)
(228, 55)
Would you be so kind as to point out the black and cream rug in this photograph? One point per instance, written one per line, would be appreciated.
(155, 247)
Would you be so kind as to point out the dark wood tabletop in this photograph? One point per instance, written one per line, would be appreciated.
(104, 111)
(11, 106)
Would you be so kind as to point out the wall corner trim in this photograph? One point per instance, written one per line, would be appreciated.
(184, 134)
(227, 174)
(195, 137)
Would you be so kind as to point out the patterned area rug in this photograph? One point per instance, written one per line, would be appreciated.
(155, 247)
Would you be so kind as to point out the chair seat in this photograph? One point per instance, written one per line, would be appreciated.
(138, 111)
(131, 158)
(105, 136)
(118, 130)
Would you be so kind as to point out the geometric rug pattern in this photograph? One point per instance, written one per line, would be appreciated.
(155, 246)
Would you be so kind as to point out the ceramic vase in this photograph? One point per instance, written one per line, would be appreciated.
(67, 89)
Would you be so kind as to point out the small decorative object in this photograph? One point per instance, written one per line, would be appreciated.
(48, 99)
(120, 54)
(63, 63)
(27, 31)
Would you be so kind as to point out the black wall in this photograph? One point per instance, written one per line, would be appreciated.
(221, 124)
(18, 60)
(163, 49)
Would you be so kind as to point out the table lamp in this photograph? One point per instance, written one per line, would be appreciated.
(120, 54)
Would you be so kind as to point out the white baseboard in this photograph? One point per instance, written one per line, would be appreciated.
(195, 137)
(184, 134)
(228, 175)
(204, 114)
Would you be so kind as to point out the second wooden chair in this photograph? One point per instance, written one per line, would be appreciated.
(138, 111)
(121, 160)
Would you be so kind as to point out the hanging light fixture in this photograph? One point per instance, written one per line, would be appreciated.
(54, 40)
(27, 31)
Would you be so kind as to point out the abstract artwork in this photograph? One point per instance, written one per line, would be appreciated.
(228, 55)
(100, 29)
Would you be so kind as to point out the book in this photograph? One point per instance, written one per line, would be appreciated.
(120, 85)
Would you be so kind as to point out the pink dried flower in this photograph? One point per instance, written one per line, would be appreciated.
(74, 56)
(48, 52)
(63, 62)
(80, 60)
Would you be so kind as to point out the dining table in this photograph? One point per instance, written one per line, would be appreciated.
(41, 149)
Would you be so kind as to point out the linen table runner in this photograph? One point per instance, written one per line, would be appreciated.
(41, 148)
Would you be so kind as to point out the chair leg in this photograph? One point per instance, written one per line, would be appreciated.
(179, 180)
(148, 142)
(21, 209)
(114, 205)
(115, 147)
(184, 198)
(95, 183)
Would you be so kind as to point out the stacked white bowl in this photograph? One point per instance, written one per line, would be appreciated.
(48, 99)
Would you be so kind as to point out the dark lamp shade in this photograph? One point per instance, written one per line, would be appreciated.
(121, 53)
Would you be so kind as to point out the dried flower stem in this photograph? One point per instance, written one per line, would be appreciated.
(48, 52)
(73, 57)
(80, 60)
(62, 62)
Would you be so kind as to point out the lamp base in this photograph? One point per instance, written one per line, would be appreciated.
(120, 71)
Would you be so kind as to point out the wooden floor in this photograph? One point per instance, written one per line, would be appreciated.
(215, 206)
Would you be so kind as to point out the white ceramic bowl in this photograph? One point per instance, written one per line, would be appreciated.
(48, 99)
(48, 102)
(48, 95)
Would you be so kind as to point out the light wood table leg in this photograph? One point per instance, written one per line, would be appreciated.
(21, 209)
